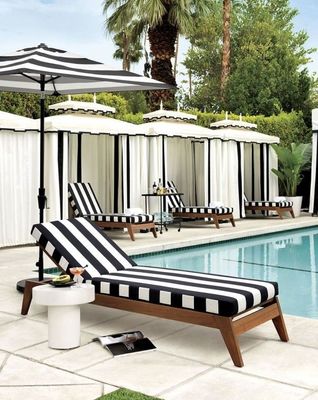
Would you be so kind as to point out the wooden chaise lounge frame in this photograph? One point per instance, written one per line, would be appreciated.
(131, 227)
(230, 327)
(280, 210)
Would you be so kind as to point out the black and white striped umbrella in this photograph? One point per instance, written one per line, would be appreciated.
(45, 70)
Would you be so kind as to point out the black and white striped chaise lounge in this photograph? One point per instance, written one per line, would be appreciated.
(179, 210)
(204, 299)
(84, 203)
(280, 207)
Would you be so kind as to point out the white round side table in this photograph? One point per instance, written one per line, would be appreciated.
(64, 314)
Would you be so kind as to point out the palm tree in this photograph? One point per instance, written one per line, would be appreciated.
(128, 50)
(226, 51)
(163, 19)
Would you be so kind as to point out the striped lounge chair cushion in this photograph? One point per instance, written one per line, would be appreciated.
(281, 204)
(78, 242)
(202, 210)
(129, 219)
(215, 294)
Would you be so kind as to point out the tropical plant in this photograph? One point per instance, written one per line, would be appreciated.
(163, 19)
(292, 161)
(129, 48)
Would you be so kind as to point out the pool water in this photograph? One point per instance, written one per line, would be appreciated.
(290, 258)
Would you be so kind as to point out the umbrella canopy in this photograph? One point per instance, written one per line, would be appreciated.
(45, 70)
(49, 70)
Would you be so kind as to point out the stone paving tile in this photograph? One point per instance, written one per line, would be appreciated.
(200, 344)
(42, 351)
(22, 333)
(150, 372)
(18, 371)
(313, 396)
(5, 318)
(219, 384)
(92, 314)
(160, 327)
(11, 300)
(284, 362)
(58, 392)
(80, 358)
(122, 324)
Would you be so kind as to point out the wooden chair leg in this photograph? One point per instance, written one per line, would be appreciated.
(231, 342)
(216, 221)
(131, 231)
(232, 221)
(27, 295)
(292, 212)
(279, 212)
(154, 232)
(279, 324)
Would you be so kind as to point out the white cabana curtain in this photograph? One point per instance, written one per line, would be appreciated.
(221, 174)
(19, 182)
(97, 166)
(181, 167)
(138, 171)
(260, 182)
(55, 209)
(313, 204)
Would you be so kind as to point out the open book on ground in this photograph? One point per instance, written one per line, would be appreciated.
(125, 343)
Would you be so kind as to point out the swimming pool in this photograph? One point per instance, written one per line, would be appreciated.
(290, 258)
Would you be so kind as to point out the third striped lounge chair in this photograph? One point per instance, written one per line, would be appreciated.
(84, 203)
(232, 305)
(280, 206)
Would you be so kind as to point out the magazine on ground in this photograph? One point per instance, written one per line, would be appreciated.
(120, 344)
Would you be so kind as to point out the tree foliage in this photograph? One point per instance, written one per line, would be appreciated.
(163, 20)
(268, 59)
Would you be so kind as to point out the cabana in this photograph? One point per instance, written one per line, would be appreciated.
(19, 178)
(211, 165)
(313, 205)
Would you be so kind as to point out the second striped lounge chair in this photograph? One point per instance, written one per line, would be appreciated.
(179, 210)
(84, 203)
(232, 305)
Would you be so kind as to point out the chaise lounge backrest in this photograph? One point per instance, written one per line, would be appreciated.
(174, 201)
(83, 200)
(78, 242)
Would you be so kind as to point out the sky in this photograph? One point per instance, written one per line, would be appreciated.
(78, 26)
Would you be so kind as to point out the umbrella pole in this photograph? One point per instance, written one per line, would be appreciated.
(41, 195)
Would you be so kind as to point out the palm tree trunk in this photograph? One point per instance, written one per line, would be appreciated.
(162, 39)
(226, 52)
(176, 57)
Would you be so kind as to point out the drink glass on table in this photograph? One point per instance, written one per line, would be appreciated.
(77, 272)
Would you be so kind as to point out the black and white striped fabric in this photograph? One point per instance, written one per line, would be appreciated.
(176, 204)
(78, 242)
(85, 204)
(202, 210)
(215, 294)
(280, 204)
(65, 73)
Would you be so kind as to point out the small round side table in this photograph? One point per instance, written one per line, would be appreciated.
(64, 314)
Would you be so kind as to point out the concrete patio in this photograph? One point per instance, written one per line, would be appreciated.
(190, 361)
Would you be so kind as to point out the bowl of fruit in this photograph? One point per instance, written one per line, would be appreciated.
(62, 281)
